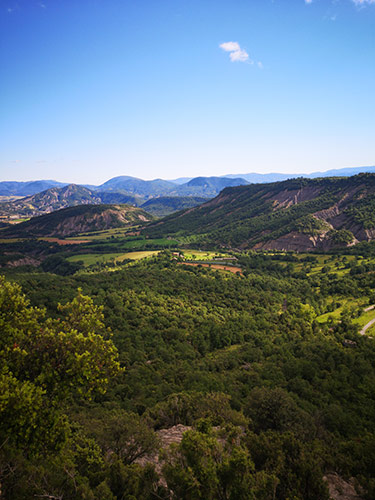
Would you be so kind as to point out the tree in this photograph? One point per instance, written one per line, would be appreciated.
(44, 362)
(125, 434)
(203, 466)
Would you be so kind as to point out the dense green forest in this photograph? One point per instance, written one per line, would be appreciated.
(265, 369)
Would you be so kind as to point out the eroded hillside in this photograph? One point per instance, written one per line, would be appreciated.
(299, 214)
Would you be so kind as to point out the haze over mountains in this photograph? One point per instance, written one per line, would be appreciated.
(198, 186)
(170, 196)
(299, 214)
(72, 195)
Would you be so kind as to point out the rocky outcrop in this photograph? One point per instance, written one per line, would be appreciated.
(339, 489)
(173, 435)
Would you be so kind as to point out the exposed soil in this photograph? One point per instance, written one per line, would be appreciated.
(25, 261)
(231, 269)
(66, 242)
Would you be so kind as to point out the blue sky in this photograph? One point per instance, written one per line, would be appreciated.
(92, 89)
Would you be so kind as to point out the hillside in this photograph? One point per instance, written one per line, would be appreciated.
(118, 190)
(199, 186)
(298, 214)
(49, 200)
(137, 187)
(75, 220)
(166, 205)
(208, 186)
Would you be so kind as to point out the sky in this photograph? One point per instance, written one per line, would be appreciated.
(93, 89)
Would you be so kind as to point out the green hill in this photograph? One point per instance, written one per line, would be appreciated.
(166, 205)
(82, 218)
(297, 214)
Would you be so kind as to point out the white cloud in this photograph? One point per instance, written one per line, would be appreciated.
(239, 55)
(230, 46)
(236, 54)
(308, 1)
(364, 2)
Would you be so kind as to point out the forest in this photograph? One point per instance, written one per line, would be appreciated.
(263, 369)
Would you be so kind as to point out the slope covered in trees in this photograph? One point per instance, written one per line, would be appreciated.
(166, 205)
(298, 214)
(271, 398)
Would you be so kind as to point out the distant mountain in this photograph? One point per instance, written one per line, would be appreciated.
(72, 195)
(298, 214)
(180, 180)
(166, 205)
(275, 177)
(14, 188)
(254, 178)
(208, 186)
(126, 189)
(49, 200)
(83, 218)
(350, 171)
(199, 186)
(138, 187)
(119, 197)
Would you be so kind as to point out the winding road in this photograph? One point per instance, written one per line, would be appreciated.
(366, 327)
(370, 323)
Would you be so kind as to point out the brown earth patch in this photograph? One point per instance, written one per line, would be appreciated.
(222, 267)
(65, 242)
(25, 261)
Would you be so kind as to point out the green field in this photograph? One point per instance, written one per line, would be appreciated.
(365, 318)
(352, 306)
(162, 242)
(140, 255)
(103, 235)
(10, 240)
(100, 258)
(202, 255)
(345, 304)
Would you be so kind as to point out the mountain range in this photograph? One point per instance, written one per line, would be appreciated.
(72, 195)
(183, 186)
(131, 186)
(293, 215)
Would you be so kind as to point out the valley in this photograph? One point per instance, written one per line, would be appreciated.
(252, 354)
(187, 250)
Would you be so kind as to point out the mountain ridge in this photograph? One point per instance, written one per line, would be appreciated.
(26, 188)
(298, 214)
(71, 221)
